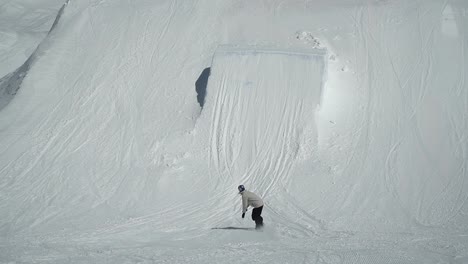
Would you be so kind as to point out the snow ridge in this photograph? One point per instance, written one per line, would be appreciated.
(11, 83)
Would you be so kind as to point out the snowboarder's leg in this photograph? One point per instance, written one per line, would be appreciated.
(259, 220)
(257, 216)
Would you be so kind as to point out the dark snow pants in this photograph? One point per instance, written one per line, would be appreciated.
(257, 216)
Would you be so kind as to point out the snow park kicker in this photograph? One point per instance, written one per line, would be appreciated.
(349, 118)
(261, 103)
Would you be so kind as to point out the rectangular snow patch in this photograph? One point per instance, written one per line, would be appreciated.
(239, 49)
(280, 71)
(262, 100)
(314, 55)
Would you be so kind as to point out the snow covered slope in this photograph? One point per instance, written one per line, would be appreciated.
(22, 27)
(349, 118)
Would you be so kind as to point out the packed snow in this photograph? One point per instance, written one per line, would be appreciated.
(349, 118)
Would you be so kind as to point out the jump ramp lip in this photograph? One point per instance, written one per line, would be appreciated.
(240, 49)
(252, 49)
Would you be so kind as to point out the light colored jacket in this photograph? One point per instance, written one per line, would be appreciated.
(250, 199)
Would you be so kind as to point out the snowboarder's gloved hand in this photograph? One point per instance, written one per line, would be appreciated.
(243, 215)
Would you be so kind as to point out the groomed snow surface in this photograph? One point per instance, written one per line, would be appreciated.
(350, 119)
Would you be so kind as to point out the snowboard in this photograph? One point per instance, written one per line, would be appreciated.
(237, 228)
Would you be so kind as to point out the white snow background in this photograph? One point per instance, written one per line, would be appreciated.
(350, 119)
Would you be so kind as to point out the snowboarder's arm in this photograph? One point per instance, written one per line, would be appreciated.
(244, 203)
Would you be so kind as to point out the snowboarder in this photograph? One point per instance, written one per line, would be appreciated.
(251, 199)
